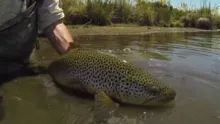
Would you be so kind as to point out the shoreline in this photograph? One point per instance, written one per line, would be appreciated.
(80, 30)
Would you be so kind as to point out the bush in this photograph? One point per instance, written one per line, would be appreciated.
(189, 20)
(176, 23)
(204, 23)
(163, 13)
(218, 24)
(99, 12)
(216, 21)
(73, 10)
(145, 12)
(122, 12)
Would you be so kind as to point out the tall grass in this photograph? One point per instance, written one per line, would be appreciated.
(141, 12)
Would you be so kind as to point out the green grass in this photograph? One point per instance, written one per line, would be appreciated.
(143, 13)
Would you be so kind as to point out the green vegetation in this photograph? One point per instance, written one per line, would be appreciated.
(142, 13)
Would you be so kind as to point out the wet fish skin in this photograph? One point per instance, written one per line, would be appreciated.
(109, 77)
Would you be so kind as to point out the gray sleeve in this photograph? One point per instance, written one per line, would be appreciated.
(49, 12)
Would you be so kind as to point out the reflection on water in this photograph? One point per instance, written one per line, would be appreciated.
(189, 62)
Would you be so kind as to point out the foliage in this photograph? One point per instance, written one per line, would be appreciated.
(141, 12)
(204, 23)
(189, 20)
(122, 12)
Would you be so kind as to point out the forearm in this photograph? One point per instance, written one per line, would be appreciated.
(59, 37)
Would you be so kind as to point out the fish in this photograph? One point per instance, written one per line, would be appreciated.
(109, 79)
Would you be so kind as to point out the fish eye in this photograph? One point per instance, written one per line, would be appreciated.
(154, 87)
(154, 90)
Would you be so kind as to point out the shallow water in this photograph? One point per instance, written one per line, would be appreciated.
(189, 62)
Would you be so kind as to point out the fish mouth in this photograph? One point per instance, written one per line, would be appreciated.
(159, 101)
(166, 99)
(168, 96)
(162, 99)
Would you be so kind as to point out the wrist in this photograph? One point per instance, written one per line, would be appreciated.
(72, 45)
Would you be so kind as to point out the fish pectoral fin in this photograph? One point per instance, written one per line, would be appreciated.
(104, 106)
(102, 101)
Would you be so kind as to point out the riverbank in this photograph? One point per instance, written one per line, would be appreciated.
(80, 30)
(141, 12)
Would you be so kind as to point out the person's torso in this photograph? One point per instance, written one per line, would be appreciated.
(9, 9)
(18, 28)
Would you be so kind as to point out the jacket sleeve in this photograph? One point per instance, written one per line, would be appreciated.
(49, 12)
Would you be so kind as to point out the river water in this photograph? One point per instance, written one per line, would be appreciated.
(189, 62)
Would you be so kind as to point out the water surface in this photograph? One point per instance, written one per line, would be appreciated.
(189, 62)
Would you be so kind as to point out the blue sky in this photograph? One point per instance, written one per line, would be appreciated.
(191, 3)
(196, 3)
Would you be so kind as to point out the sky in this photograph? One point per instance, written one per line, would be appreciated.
(196, 3)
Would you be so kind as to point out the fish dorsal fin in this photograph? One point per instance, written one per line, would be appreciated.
(104, 106)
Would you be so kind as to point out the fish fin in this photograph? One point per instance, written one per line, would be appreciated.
(102, 100)
(104, 106)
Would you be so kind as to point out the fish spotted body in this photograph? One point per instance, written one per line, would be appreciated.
(109, 77)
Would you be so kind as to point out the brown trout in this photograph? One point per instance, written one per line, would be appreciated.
(108, 77)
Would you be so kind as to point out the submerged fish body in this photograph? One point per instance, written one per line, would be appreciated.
(109, 77)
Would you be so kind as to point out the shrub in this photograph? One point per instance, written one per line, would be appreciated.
(189, 20)
(99, 12)
(204, 23)
(176, 23)
(145, 12)
(122, 12)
